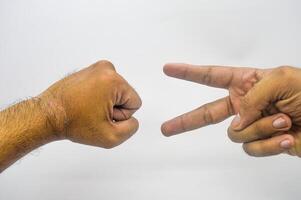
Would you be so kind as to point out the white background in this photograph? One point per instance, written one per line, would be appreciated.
(42, 41)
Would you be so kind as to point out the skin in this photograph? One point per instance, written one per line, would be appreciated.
(93, 106)
(259, 98)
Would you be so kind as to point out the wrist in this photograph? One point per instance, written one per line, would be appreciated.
(55, 114)
(23, 128)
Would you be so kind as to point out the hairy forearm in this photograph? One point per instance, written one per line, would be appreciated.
(23, 128)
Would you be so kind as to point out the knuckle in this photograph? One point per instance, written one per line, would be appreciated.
(207, 77)
(229, 106)
(110, 77)
(284, 68)
(286, 71)
(208, 118)
(104, 64)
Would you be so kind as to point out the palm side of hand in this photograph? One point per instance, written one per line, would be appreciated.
(243, 80)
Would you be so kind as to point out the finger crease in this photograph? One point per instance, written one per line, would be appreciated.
(208, 119)
(229, 82)
(229, 106)
(124, 115)
(183, 123)
(206, 79)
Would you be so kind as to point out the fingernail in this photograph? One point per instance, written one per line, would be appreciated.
(280, 123)
(236, 121)
(285, 144)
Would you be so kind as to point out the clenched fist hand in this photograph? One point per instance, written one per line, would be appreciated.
(267, 103)
(93, 106)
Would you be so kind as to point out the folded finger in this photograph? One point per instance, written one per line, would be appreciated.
(261, 129)
(271, 146)
(123, 130)
(127, 102)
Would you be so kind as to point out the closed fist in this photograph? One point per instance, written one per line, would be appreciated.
(94, 106)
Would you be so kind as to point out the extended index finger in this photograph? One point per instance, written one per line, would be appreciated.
(215, 76)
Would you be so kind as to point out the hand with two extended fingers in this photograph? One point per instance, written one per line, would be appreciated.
(266, 102)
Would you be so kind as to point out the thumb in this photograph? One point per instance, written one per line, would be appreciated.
(256, 101)
(123, 130)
